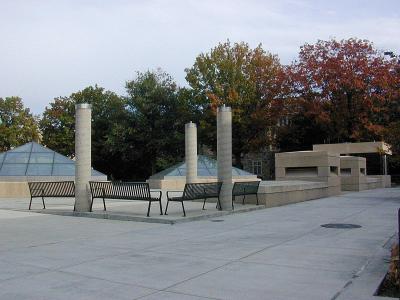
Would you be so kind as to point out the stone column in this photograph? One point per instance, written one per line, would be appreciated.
(191, 152)
(224, 155)
(83, 155)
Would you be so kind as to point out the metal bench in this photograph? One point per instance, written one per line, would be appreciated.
(58, 189)
(195, 191)
(244, 188)
(123, 191)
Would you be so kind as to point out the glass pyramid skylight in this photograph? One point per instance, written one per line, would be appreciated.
(33, 159)
(205, 167)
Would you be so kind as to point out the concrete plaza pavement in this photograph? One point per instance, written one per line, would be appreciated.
(274, 253)
(123, 210)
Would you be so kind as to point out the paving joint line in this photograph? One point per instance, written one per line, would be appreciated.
(358, 273)
(295, 267)
(177, 293)
(230, 262)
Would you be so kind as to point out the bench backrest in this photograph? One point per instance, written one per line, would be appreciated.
(245, 187)
(201, 190)
(52, 189)
(120, 190)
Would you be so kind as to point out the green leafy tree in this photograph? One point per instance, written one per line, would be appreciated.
(109, 122)
(158, 111)
(17, 125)
(58, 126)
(245, 79)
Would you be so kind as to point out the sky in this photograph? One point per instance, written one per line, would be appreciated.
(52, 48)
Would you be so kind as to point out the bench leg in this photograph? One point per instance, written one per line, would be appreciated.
(30, 203)
(148, 210)
(44, 206)
(183, 207)
(204, 203)
(166, 208)
(244, 197)
(91, 205)
(104, 204)
(233, 200)
(219, 207)
(160, 207)
(257, 198)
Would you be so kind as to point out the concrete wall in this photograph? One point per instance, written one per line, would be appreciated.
(13, 188)
(45, 178)
(353, 148)
(178, 182)
(383, 181)
(357, 179)
(353, 173)
(315, 166)
(278, 193)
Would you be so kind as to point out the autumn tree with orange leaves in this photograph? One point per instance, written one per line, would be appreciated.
(344, 91)
(248, 80)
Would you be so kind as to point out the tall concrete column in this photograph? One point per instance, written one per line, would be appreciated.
(224, 155)
(191, 152)
(83, 155)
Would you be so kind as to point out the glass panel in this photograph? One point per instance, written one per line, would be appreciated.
(12, 157)
(40, 148)
(39, 169)
(205, 167)
(2, 157)
(41, 158)
(96, 173)
(200, 163)
(203, 172)
(60, 159)
(23, 148)
(63, 170)
(208, 163)
(173, 173)
(13, 169)
(247, 173)
(182, 171)
(243, 172)
(212, 172)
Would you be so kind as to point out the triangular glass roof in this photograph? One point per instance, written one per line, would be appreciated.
(206, 166)
(33, 159)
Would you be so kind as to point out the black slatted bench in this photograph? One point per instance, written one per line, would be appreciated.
(244, 188)
(123, 191)
(54, 189)
(196, 191)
